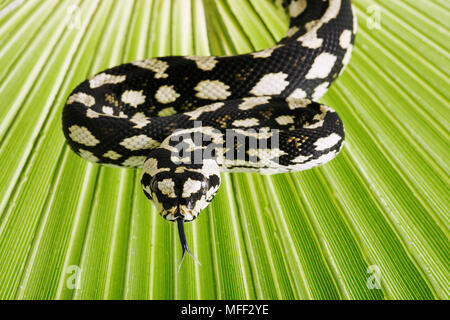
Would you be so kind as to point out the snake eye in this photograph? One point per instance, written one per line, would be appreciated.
(154, 185)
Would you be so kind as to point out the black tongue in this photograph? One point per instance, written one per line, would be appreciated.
(183, 242)
(182, 235)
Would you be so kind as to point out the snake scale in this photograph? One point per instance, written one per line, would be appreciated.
(186, 119)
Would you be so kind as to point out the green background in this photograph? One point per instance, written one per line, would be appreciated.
(376, 215)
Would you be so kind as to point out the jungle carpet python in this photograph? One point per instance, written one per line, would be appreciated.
(186, 119)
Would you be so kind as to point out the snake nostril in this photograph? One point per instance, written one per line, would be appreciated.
(190, 204)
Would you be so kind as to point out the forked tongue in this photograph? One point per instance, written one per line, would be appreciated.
(183, 242)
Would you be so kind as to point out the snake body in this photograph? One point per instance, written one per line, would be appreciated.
(186, 119)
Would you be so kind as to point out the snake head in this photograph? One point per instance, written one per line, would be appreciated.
(179, 191)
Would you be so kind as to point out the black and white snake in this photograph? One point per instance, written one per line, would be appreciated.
(185, 119)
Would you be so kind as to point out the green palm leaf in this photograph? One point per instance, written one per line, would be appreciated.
(377, 214)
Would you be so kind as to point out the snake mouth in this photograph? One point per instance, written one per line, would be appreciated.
(177, 212)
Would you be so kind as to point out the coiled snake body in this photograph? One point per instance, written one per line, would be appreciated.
(185, 119)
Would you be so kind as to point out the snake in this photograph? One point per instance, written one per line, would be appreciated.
(186, 119)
